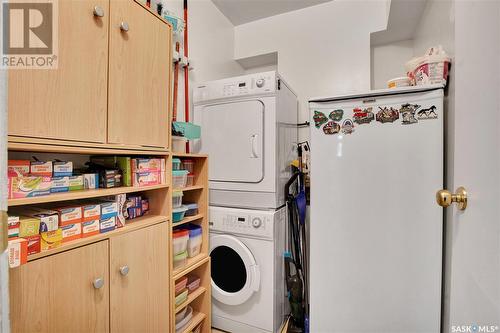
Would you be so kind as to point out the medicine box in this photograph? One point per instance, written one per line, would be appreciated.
(49, 219)
(90, 181)
(108, 209)
(91, 212)
(28, 226)
(146, 178)
(59, 184)
(62, 168)
(90, 228)
(146, 165)
(18, 252)
(108, 224)
(16, 168)
(71, 232)
(76, 183)
(121, 202)
(13, 226)
(34, 245)
(51, 239)
(40, 168)
(29, 186)
(69, 215)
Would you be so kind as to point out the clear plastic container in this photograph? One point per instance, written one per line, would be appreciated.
(183, 322)
(181, 297)
(178, 214)
(180, 260)
(178, 144)
(179, 178)
(176, 164)
(192, 209)
(180, 240)
(181, 284)
(193, 283)
(177, 198)
(188, 165)
(195, 240)
(190, 179)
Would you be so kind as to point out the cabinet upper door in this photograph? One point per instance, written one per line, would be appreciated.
(69, 102)
(139, 76)
(139, 264)
(57, 293)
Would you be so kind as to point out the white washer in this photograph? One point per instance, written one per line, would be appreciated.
(248, 287)
(249, 130)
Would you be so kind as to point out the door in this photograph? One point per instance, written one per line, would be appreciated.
(139, 76)
(235, 288)
(237, 149)
(62, 292)
(472, 294)
(376, 240)
(139, 264)
(70, 102)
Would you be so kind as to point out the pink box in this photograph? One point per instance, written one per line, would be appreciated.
(146, 178)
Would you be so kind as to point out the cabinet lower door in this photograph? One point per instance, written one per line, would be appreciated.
(139, 280)
(139, 76)
(69, 102)
(60, 293)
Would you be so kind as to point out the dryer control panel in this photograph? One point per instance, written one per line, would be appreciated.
(246, 85)
(243, 221)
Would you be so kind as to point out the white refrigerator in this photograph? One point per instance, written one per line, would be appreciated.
(376, 231)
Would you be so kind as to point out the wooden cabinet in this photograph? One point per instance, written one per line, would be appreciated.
(139, 281)
(139, 67)
(68, 103)
(56, 293)
(112, 86)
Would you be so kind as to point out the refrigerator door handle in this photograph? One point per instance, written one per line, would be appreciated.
(253, 145)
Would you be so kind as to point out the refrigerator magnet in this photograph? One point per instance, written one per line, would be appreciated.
(387, 115)
(331, 128)
(407, 112)
(347, 126)
(429, 113)
(363, 116)
(319, 118)
(336, 115)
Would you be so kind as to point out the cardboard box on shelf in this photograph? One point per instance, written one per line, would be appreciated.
(40, 168)
(91, 211)
(51, 239)
(62, 168)
(71, 232)
(69, 215)
(147, 178)
(16, 168)
(90, 228)
(28, 226)
(49, 219)
(59, 184)
(90, 181)
(120, 200)
(34, 244)
(18, 252)
(146, 165)
(108, 209)
(76, 183)
(108, 224)
(13, 226)
(28, 186)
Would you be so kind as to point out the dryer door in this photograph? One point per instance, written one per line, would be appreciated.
(235, 273)
(233, 135)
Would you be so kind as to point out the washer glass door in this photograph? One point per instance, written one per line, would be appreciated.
(235, 273)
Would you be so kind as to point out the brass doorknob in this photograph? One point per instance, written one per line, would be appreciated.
(445, 198)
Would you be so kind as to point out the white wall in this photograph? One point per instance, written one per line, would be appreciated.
(387, 62)
(322, 50)
(211, 45)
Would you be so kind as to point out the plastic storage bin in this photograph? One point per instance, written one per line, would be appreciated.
(181, 297)
(177, 199)
(192, 209)
(190, 179)
(195, 240)
(181, 284)
(188, 315)
(178, 144)
(180, 260)
(179, 178)
(176, 164)
(180, 240)
(188, 165)
(193, 283)
(178, 213)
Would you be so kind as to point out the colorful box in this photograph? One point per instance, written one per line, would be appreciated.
(59, 184)
(34, 244)
(17, 168)
(40, 168)
(108, 224)
(108, 209)
(76, 183)
(91, 212)
(146, 178)
(71, 232)
(121, 201)
(29, 186)
(69, 215)
(18, 252)
(12, 226)
(49, 219)
(111, 162)
(62, 168)
(90, 228)
(90, 181)
(28, 226)
(51, 239)
(146, 165)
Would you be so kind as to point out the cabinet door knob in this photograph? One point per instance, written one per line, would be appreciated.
(98, 11)
(98, 283)
(124, 270)
(124, 26)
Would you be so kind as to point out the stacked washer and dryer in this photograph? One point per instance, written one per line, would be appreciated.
(249, 130)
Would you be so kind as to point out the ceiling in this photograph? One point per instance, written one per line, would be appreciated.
(244, 11)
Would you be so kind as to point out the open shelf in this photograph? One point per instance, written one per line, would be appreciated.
(131, 225)
(198, 317)
(82, 194)
(189, 188)
(187, 220)
(189, 155)
(191, 297)
(192, 263)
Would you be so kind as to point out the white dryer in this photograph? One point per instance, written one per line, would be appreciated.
(249, 129)
(248, 286)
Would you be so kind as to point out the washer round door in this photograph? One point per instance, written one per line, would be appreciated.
(235, 273)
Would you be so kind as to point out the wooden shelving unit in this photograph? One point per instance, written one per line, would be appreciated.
(200, 299)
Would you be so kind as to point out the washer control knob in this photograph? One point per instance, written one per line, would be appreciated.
(256, 222)
(260, 83)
